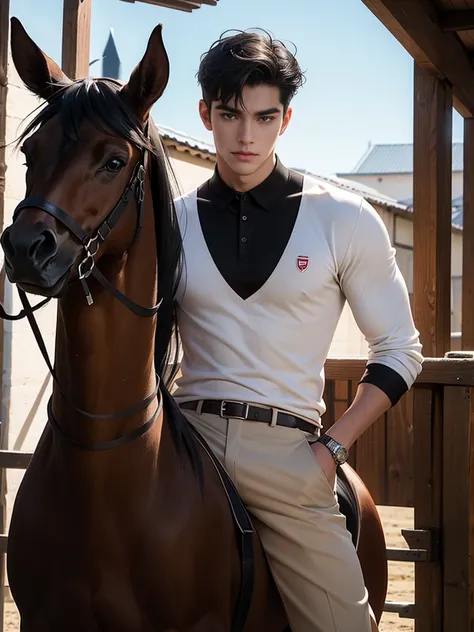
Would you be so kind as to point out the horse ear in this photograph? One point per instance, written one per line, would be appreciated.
(150, 78)
(37, 71)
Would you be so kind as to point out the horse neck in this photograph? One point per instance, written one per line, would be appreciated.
(105, 353)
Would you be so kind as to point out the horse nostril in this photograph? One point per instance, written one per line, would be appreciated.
(7, 244)
(44, 248)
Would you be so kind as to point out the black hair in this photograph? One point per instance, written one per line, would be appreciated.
(248, 59)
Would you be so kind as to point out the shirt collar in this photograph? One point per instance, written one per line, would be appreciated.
(265, 194)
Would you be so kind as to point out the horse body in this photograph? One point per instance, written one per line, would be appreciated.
(139, 537)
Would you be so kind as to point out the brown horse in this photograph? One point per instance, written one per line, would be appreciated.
(121, 522)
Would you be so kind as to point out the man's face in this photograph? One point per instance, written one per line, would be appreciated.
(245, 138)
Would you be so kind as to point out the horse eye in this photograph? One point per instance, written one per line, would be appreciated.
(114, 165)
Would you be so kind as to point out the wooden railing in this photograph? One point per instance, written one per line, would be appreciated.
(421, 454)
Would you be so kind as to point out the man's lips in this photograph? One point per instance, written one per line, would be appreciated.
(244, 156)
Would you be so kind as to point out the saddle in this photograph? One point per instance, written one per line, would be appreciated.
(348, 504)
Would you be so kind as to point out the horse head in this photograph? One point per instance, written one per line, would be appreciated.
(85, 157)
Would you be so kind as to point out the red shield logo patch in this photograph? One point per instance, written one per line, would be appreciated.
(302, 263)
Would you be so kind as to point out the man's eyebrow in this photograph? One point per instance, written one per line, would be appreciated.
(231, 110)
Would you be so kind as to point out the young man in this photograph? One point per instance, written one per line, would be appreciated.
(271, 256)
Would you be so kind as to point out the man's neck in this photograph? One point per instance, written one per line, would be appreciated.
(245, 183)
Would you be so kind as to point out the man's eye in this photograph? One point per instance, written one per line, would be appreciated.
(114, 165)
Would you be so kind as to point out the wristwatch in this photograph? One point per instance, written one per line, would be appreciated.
(338, 452)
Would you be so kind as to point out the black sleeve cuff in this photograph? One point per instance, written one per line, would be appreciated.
(387, 380)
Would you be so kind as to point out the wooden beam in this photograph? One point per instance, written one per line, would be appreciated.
(467, 333)
(453, 371)
(458, 508)
(432, 211)
(4, 42)
(457, 20)
(76, 38)
(428, 448)
(416, 25)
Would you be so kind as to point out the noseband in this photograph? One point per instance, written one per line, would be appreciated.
(92, 243)
(86, 268)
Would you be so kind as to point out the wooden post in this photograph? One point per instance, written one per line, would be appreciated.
(432, 173)
(427, 451)
(4, 43)
(458, 508)
(468, 238)
(76, 38)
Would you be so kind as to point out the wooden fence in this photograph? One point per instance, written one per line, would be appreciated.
(421, 455)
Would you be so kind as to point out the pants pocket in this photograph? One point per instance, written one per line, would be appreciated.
(318, 488)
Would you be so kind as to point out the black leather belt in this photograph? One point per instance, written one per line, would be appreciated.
(240, 410)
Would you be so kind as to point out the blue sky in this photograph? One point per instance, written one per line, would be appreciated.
(359, 86)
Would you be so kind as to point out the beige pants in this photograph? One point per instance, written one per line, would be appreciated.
(297, 516)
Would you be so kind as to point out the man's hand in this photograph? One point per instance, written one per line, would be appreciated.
(325, 460)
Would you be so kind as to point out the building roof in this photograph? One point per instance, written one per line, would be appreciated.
(181, 5)
(396, 158)
(457, 210)
(372, 196)
(184, 142)
(368, 193)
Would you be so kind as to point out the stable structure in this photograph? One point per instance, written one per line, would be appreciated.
(420, 453)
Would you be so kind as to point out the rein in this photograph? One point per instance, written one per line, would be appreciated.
(87, 267)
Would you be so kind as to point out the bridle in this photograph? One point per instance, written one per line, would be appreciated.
(86, 268)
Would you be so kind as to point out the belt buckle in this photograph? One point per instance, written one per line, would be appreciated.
(224, 404)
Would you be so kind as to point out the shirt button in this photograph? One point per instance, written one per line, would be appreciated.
(244, 218)
(244, 240)
(245, 197)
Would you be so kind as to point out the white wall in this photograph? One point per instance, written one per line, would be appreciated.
(24, 371)
(399, 186)
(190, 170)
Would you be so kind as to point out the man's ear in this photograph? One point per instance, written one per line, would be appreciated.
(149, 79)
(286, 120)
(205, 114)
(37, 71)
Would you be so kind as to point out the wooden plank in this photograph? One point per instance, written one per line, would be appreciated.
(76, 38)
(459, 372)
(467, 339)
(371, 461)
(406, 555)
(432, 174)
(399, 463)
(415, 24)
(458, 507)
(457, 20)
(11, 459)
(4, 42)
(404, 609)
(341, 390)
(182, 5)
(427, 435)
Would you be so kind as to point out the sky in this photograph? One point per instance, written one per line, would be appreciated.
(359, 79)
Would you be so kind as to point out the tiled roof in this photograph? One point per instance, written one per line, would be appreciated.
(457, 210)
(374, 197)
(369, 194)
(397, 158)
(184, 140)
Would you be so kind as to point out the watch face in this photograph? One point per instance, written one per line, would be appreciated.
(341, 455)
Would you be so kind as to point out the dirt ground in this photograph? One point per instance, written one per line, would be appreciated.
(401, 575)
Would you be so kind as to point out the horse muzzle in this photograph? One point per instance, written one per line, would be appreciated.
(34, 258)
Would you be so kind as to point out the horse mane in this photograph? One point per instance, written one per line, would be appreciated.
(97, 101)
